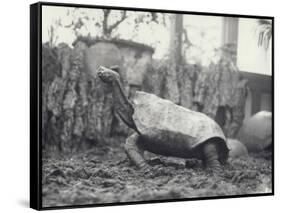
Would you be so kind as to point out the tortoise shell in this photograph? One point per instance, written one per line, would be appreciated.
(165, 117)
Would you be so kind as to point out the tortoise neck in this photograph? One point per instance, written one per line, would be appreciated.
(122, 105)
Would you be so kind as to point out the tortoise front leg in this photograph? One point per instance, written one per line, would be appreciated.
(211, 158)
(135, 152)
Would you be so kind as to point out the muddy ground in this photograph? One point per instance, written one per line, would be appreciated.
(104, 174)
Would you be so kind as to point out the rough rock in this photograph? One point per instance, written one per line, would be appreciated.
(220, 92)
(236, 148)
(256, 132)
(77, 108)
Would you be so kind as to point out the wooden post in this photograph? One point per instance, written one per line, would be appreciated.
(172, 89)
(230, 32)
(176, 39)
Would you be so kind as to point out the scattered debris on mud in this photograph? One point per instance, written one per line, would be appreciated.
(104, 174)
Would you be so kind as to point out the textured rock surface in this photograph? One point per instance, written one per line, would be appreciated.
(236, 148)
(220, 92)
(77, 107)
(256, 132)
(187, 76)
(50, 70)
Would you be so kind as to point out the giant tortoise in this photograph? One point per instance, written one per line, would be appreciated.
(164, 128)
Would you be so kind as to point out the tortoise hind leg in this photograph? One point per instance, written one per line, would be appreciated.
(211, 158)
(135, 152)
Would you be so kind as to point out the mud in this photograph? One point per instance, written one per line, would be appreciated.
(104, 174)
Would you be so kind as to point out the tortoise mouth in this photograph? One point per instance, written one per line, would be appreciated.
(107, 75)
(100, 71)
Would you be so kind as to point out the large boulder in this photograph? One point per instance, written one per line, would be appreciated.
(256, 132)
(236, 148)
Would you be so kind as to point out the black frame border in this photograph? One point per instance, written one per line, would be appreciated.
(36, 104)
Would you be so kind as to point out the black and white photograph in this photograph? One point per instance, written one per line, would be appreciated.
(140, 105)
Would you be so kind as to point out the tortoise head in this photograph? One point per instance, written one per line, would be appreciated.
(108, 75)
